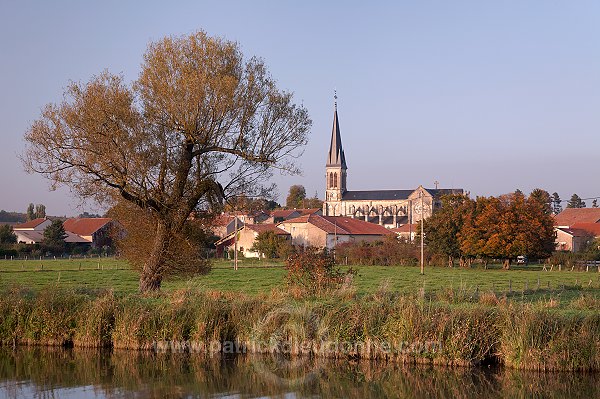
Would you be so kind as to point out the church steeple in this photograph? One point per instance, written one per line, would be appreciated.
(335, 170)
(336, 152)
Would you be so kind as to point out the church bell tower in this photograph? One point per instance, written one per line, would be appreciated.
(335, 170)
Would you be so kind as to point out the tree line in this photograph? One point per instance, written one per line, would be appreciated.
(485, 228)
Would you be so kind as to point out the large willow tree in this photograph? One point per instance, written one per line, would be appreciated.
(199, 124)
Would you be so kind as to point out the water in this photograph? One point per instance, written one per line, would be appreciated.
(66, 373)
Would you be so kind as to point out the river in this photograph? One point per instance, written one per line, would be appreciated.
(75, 373)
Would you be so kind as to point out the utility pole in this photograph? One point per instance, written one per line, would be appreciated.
(422, 251)
(235, 250)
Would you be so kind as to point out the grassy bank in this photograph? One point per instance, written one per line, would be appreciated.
(438, 329)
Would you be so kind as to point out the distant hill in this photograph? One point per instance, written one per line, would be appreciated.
(12, 217)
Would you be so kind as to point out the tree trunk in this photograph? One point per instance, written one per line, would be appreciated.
(506, 264)
(450, 261)
(152, 272)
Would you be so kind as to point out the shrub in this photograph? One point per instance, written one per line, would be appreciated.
(314, 271)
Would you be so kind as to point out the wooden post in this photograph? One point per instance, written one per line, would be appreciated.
(538, 284)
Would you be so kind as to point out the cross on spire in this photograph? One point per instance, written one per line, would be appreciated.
(335, 98)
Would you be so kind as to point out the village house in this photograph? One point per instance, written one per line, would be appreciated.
(224, 224)
(576, 237)
(32, 232)
(576, 228)
(38, 224)
(98, 232)
(279, 215)
(407, 231)
(246, 237)
(328, 231)
(570, 216)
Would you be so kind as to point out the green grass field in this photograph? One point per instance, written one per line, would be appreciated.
(525, 283)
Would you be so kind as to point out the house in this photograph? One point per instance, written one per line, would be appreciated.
(310, 211)
(38, 224)
(224, 224)
(246, 238)
(407, 231)
(328, 231)
(96, 231)
(576, 237)
(280, 215)
(571, 216)
(37, 236)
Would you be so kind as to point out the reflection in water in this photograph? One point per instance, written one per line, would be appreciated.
(46, 373)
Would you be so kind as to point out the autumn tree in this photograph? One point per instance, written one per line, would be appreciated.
(443, 227)
(296, 196)
(480, 225)
(508, 226)
(576, 202)
(200, 123)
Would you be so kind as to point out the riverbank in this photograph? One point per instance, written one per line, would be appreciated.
(475, 330)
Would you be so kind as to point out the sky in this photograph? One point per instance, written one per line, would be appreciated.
(488, 96)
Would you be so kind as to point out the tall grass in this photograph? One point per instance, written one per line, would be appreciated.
(384, 325)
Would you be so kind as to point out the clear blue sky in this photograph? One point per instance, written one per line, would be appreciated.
(489, 96)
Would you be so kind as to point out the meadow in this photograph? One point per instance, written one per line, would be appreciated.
(521, 283)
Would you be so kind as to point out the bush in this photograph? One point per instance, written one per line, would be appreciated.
(391, 251)
(314, 271)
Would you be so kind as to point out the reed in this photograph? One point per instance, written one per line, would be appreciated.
(383, 326)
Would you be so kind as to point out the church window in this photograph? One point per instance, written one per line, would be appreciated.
(330, 180)
(335, 180)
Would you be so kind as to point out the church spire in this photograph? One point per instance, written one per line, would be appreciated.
(336, 152)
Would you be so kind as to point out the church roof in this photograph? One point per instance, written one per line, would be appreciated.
(377, 195)
(438, 192)
(336, 155)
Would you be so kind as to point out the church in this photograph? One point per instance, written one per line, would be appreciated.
(389, 208)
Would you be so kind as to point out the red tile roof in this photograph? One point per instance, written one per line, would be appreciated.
(341, 225)
(261, 228)
(570, 216)
(221, 220)
(308, 211)
(284, 213)
(589, 228)
(85, 226)
(30, 224)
